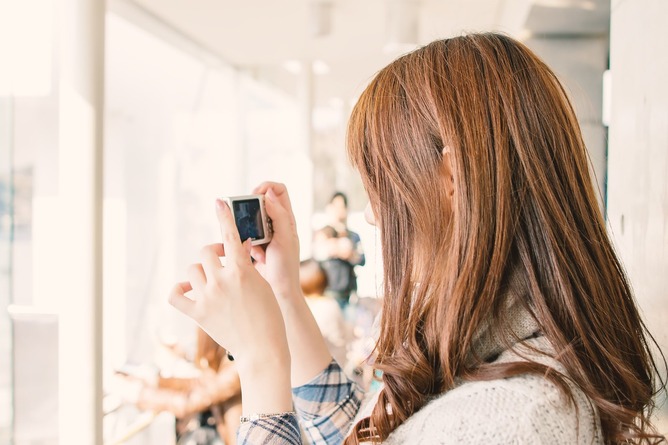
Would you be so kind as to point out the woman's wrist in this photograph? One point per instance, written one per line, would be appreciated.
(265, 384)
(308, 349)
(255, 365)
(288, 295)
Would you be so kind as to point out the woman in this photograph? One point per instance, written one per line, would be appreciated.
(507, 317)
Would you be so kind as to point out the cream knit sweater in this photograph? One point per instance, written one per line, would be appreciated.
(526, 409)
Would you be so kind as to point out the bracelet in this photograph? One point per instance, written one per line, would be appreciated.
(257, 416)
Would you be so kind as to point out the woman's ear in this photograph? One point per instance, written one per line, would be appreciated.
(448, 172)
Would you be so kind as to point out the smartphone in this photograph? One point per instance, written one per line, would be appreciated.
(251, 218)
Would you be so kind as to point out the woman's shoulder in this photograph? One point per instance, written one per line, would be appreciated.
(523, 409)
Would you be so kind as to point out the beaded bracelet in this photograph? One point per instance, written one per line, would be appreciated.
(257, 416)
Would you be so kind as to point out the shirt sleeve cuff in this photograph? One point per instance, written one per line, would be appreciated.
(281, 429)
(327, 392)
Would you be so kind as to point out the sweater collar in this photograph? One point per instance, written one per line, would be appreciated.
(496, 335)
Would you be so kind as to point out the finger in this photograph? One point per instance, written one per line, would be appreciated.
(196, 276)
(178, 299)
(247, 245)
(279, 191)
(262, 188)
(234, 251)
(210, 255)
(258, 253)
(248, 248)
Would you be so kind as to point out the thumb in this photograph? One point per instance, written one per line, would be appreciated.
(282, 219)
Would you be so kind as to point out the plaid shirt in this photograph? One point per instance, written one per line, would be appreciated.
(325, 406)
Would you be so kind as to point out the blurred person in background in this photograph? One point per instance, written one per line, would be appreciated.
(339, 250)
(206, 403)
(326, 311)
(507, 317)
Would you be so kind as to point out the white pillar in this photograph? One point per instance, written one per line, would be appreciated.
(304, 210)
(6, 335)
(638, 157)
(79, 290)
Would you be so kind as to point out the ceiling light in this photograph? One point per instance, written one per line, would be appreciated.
(293, 66)
(320, 67)
(587, 5)
(320, 18)
(335, 102)
(402, 24)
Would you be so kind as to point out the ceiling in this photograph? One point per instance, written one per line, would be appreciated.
(266, 36)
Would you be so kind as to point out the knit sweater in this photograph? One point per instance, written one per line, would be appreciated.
(526, 409)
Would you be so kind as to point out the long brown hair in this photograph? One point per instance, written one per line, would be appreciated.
(524, 207)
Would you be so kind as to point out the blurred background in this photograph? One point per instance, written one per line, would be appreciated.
(122, 121)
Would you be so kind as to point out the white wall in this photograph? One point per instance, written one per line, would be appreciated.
(638, 155)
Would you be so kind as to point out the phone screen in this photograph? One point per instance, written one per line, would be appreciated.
(248, 217)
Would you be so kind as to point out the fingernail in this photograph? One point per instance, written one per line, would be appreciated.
(271, 195)
(220, 204)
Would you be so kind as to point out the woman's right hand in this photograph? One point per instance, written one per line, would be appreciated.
(278, 261)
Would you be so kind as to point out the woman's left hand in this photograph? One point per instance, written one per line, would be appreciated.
(233, 303)
(278, 261)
